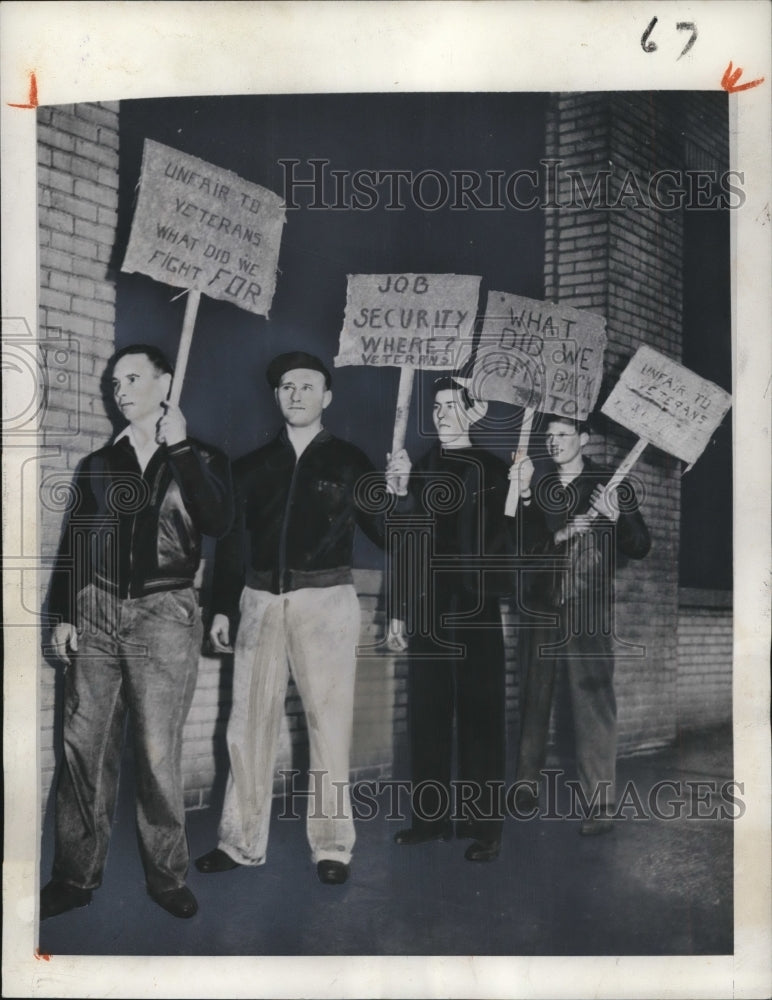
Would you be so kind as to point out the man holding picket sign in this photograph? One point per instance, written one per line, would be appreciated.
(130, 633)
(450, 592)
(589, 529)
(124, 590)
(285, 568)
(666, 405)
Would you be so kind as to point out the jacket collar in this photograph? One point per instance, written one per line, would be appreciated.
(283, 438)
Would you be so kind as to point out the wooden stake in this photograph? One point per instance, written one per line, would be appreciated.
(191, 310)
(404, 395)
(623, 468)
(513, 494)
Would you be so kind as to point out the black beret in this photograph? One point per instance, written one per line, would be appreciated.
(284, 363)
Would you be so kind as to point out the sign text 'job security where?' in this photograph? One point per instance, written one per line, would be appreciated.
(408, 320)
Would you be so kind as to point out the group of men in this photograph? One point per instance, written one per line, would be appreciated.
(283, 602)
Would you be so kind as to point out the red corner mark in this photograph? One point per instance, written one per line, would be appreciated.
(33, 94)
(38, 953)
(730, 78)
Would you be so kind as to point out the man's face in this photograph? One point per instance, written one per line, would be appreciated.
(138, 387)
(564, 442)
(302, 396)
(451, 418)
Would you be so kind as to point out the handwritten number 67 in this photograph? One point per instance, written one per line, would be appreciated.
(649, 45)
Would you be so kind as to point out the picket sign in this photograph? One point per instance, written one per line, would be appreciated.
(540, 356)
(664, 404)
(408, 321)
(204, 229)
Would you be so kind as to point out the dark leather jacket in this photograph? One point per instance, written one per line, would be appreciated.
(295, 519)
(140, 533)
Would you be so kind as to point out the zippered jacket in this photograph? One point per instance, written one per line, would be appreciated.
(460, 494)
(586, 564)
(135, 533)
(295, 519)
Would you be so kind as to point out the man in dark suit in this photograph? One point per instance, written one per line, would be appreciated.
(451, 598)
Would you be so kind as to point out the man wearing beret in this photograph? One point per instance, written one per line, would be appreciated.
(286, 569)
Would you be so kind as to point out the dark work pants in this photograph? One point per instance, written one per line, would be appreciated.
(139, 656)
(471, 688)
(589, 664)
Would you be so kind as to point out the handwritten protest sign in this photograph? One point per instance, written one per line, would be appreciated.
(200, 227)
(539, 355)
(408, 320)
(667, 405)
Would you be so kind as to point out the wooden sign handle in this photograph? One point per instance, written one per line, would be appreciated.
(404, 395)
(623, 468)
(513, 494)
(191, 310)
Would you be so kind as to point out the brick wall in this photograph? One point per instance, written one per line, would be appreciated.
(704, 658)
(78, 211)
(626, 264)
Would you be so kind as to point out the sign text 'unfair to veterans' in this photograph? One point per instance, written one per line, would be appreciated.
(198, 226)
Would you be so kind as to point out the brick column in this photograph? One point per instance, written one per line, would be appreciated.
(78, 212)
(626, 264)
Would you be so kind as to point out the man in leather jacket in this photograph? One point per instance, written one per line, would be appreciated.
(130, 632)
(285, 568)
(589, 531)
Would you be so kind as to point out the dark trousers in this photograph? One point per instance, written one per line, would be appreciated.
(470, 689)
(589, 664)
(139, 656)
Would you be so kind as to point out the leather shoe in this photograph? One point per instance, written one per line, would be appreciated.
(179, 902)
(215, 861)
(332, 872)
(483, 850)
(596, 825)
(417, 835)
(59, 897)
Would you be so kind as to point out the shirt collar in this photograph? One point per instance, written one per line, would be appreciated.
(143, 454)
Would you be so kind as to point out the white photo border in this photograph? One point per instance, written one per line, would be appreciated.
(108, 51)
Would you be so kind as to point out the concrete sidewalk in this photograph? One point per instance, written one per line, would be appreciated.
(653, 887)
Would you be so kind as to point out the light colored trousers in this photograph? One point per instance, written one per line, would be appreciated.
(313, 632)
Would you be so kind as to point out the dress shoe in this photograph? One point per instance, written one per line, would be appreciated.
(483, 850)
(332, 872)
(59, 897)
(417, 835)
(595, 826)
(179, 902)
(216, 861)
